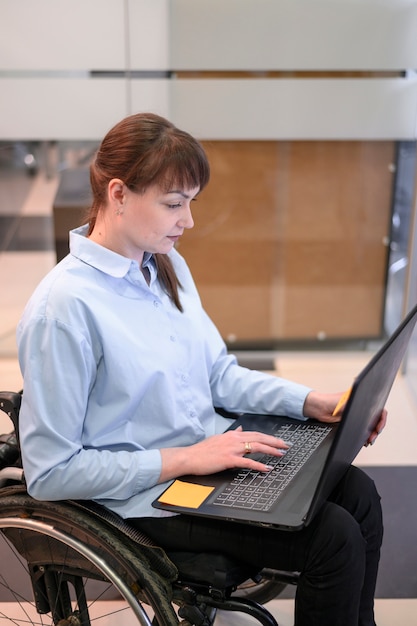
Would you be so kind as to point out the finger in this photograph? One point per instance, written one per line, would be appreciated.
(382, 422)
(248, 463)
(330, 419)
(267, 440)
(266, 451)
(378, 429)
(373, 437)
(275, 443)
(278, 448)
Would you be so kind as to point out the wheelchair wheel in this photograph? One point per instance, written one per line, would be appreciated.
(261, 591)
(62, 566)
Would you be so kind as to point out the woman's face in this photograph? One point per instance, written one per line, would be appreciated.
(152, 221)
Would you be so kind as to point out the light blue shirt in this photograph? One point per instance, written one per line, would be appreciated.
(113, 372)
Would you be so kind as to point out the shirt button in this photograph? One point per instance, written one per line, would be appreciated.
(193, 413)
(184, 378)
(173, 338)
(156, 304)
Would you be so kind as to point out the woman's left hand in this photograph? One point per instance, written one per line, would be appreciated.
(321, 407)
(378, 428)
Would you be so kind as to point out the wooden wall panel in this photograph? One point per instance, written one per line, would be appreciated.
(290, 239)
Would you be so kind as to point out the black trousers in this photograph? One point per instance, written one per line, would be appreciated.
(337, 554)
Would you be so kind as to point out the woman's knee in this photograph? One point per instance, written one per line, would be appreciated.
(355, 490)
(337, 544)
(357, 494)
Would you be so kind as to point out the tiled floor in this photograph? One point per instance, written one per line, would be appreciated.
(21, 270)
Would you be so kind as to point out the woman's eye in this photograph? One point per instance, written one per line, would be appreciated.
(174, 206)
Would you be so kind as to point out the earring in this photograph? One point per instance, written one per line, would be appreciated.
(119, 211)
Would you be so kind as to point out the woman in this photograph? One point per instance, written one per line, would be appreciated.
(122, 368)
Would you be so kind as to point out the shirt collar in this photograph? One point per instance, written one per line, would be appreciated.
(102, 258)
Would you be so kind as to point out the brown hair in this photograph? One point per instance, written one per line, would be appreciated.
(144, 150)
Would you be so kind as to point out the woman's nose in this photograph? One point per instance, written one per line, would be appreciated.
(186, 219)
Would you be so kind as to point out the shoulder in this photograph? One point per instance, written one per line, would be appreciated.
(59, 294)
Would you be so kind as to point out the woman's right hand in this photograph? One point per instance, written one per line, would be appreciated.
(220, 452)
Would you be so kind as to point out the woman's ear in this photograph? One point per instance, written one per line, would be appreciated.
(116, 192)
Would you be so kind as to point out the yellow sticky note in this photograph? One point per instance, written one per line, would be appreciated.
(343, 399)
(181, 493)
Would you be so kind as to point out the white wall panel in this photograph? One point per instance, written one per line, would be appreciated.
(68, 38)
(60, 109)
(62, 35)
(296, 109)
(149, 34)
(294, 34)
(212, 109)
(151, 95)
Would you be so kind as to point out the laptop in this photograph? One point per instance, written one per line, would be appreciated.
(302, 479)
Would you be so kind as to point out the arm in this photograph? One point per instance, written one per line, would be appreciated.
(239, 389)
(62, 457)
(227, 450)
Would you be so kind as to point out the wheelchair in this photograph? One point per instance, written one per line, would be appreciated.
(75, 563)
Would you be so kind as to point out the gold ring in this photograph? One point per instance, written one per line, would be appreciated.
(248, 448)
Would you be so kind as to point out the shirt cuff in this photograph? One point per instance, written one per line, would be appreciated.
(149, 467)
(294, 402)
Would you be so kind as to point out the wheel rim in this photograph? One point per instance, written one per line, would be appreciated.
(40, 527)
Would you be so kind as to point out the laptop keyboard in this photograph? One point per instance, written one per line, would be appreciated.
(259, 491)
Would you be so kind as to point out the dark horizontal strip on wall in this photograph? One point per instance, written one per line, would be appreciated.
(212, 74)
(131, 74)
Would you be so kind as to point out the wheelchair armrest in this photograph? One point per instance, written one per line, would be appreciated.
(10, 402)
(11, 474)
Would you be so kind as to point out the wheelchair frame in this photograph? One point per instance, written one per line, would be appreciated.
(75, 553)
